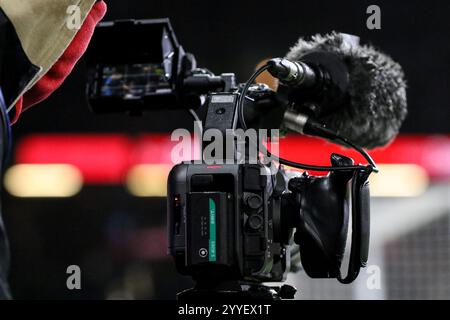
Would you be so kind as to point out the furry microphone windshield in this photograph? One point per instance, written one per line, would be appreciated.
(375, 104)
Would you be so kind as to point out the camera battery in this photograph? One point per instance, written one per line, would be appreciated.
(207, 224)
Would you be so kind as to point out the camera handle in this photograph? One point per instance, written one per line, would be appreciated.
(359, 251)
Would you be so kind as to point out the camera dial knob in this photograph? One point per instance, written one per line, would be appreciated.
(255, 221)
(253, 201)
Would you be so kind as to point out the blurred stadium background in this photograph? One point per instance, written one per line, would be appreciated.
(89, 190)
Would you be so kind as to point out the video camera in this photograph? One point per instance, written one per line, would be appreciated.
(232, 225)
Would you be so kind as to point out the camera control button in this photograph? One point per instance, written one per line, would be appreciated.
(255, 221)
(203, 252)
(253, 201)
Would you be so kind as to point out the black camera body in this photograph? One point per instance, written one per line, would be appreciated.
(222, 222)
(231, 223)
(236, 222)
(240, 221)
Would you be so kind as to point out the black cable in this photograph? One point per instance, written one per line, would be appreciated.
(7, 134)
(371, 167)
(199, 122)
(196, 118)
(243, 94)
(360, 150)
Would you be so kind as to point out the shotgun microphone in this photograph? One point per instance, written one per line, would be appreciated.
(348, 88)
